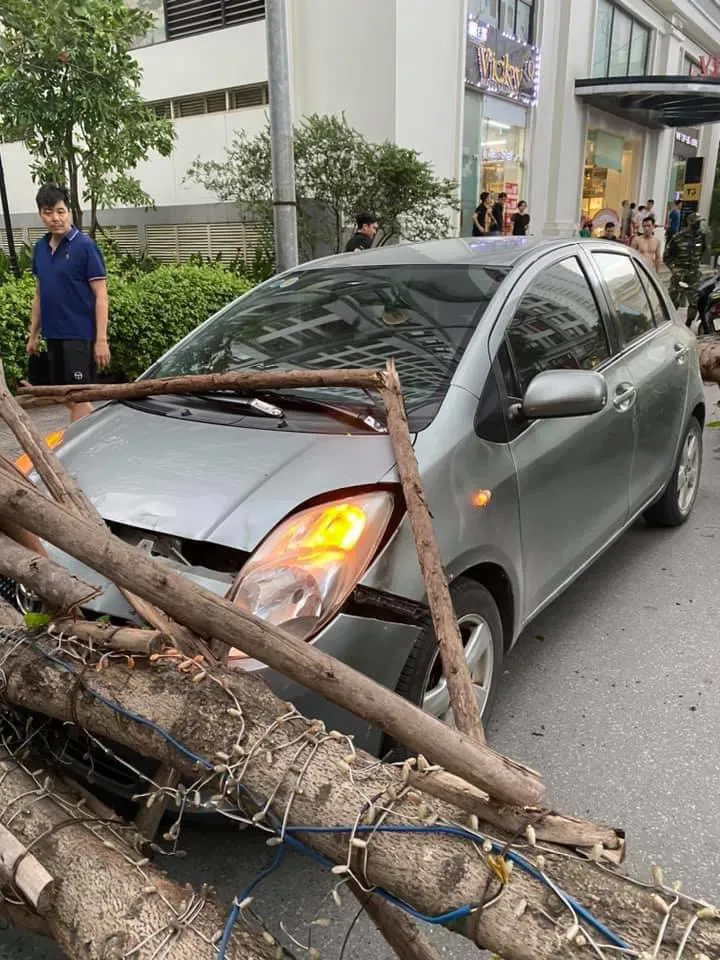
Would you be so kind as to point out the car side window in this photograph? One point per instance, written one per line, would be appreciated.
(657, 304)
(627, 295)
(557, 324)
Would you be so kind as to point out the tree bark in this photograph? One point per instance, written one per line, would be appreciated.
(58, 587)
(466, 714)
(212, 616)
(397, 929)
(315, 779)
(202, 383)
(61, 485)
(105, 906)
(9, 616)
(62, 591)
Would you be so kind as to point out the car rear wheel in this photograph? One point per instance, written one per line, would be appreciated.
(422, 680)
(675, 505)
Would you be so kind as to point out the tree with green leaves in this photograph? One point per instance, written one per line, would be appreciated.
(69, 89)
(338, 172)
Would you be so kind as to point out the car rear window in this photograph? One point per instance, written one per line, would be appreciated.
(350, 316)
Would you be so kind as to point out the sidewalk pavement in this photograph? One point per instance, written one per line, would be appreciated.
(46, 419)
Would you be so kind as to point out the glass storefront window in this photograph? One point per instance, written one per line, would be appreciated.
(638, 51)
(507, 16)
(493, 159)
(523, 22)
(612, 164)
(486, 10)
(621, 43)
(513, 17)
(603, 30)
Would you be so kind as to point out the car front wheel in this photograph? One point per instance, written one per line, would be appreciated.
(422, 680)
(675, 505)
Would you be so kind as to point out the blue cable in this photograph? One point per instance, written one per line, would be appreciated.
(290, 840)
(235, 909)
(143, 721)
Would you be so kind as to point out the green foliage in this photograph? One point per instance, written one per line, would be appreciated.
(16, 298)
(69, 89)
(342, 172)
(149, 313)
(24, 259)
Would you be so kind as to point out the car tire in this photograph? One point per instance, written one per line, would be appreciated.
(678, 499)
(421, 678)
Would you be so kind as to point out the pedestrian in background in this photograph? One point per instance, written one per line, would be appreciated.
(70, 306)
(366, 227)
(646, 244)
(609, 233)
(674, 219)
(683, 254)
(626, 219)
(482, 217)
(520, 220)
(498, 212)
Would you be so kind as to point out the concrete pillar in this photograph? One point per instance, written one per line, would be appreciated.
(709, 144)
(560, 124)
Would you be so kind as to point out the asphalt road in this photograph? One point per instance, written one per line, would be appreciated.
(612, 694)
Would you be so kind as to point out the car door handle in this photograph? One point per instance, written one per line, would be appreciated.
(681, 352)
(625, 396)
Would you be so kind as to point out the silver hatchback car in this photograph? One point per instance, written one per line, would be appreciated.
(552, 400)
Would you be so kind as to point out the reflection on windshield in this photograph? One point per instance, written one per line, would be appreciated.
(422, 317)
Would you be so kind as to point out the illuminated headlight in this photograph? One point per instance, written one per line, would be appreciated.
(304, 571)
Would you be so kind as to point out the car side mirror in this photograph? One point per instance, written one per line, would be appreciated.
(563, 393)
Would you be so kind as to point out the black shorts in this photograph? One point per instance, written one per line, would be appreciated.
(71, 362)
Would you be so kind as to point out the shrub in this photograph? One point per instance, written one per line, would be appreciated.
(16, 298)
(152, 311)
(149, 312)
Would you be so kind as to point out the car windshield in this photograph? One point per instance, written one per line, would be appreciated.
(351, 316)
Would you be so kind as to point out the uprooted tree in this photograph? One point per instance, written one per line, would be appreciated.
(457, 834)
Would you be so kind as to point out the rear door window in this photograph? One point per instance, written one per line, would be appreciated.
(632, 307)
(656, 302)
(557, 324)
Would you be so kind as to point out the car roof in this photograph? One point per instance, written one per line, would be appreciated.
(488, 251)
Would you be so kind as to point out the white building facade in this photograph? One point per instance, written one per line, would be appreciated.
(543, 99)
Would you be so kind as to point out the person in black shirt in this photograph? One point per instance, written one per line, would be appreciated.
(498, 212)
(521, 220)
(482, 217)
(610, 232)
(365, 230)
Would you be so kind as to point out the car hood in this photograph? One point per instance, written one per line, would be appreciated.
(228, 485)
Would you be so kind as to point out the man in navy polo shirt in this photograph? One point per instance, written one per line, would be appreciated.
(70, 308)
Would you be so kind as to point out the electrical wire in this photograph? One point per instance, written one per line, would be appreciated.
(288, 836)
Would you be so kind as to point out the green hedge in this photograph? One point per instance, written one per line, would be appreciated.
(149, 312)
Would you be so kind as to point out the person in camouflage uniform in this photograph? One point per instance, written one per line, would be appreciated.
(683, 255)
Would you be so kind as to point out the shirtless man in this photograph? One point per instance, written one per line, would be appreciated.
(646, 244)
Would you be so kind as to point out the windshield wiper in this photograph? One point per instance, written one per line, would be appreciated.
(237, 399)
(368, 421)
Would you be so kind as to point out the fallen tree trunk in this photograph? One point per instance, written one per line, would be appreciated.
(202, 383)
(210, 615)
(316, 785)
(553, 827)
(62, 591)
(111, 902)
